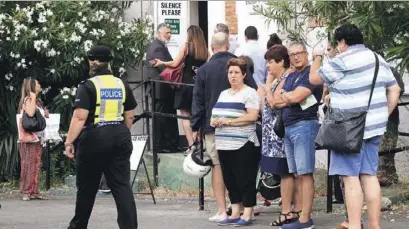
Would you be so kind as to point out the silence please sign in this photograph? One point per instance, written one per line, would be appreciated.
(171, 9)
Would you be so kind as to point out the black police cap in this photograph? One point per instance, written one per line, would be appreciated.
(100, 53)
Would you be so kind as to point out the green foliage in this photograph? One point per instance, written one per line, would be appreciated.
(49, 41)
(385, 25)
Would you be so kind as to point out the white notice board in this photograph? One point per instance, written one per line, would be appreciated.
(139, 144)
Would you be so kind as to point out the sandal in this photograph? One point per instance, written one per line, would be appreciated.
(297, 213)
(26, 198)
(278, 221)
(38, 197)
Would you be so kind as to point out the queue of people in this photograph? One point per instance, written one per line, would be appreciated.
(291, 93)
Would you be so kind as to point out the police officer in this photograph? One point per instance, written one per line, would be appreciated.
(104, 109)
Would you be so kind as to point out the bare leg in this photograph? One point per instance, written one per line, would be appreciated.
(373, 195)
(247, 214)
(186, 127)
(308, 190)
(235, 211)
(354, 199)
(287, 192)
(297, 194)
(219, 190)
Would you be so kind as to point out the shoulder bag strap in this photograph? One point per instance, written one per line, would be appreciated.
(374, 78)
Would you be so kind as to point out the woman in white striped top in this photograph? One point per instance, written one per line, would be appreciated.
(234, 116)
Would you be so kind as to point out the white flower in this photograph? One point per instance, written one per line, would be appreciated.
(80, 14)
(44, 29)
(112, 20)
(24, 66)
(114, 10)
(23, 61)
(66, 89)
(75, 38)
(73, 91)
(17, 7)
(84, 19)
(80, 27)
(52, 70)
(61, 25)
(65, 97)
(18, 64)
(87, 45)
(39, 6)
(42, 18)
(49, 12)
(8, 38)
(40, 43)
(34, 33)
(11, 88)
(122, 70)
(77, 59)
(30, 63)
(149, 18)
(51, 53)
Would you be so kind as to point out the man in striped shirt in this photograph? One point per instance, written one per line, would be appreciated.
(349, 78)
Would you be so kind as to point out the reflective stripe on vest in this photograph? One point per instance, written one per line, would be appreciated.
(110, 98)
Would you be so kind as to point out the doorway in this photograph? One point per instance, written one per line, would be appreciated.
(203, 21)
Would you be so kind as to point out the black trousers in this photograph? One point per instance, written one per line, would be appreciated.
(239, 169)
(104, 150)
(166, 129)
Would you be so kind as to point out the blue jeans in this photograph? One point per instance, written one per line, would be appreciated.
(299, 146)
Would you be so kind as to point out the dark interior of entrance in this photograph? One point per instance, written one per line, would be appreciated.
(203, 22)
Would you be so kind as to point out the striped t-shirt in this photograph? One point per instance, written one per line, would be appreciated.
(349, 77)
(231, 106)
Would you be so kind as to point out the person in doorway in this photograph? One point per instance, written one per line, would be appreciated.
(103, 115)
(297, 118)
(194, 54)
(166, 129)
(355, 67)
(30, 151)
(256, 52)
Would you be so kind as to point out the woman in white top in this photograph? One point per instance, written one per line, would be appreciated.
(234, 116)
(30, 152)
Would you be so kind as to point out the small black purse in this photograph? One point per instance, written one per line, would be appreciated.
(278, 126)
(33, 124)
(345, 134)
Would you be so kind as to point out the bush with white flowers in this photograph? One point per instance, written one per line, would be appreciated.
(49, 40)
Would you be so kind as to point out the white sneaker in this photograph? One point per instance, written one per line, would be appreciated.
(216, 218)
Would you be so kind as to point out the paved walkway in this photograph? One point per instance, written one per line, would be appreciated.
(56, 213)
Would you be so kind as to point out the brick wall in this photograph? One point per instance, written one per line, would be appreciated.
(231, 16)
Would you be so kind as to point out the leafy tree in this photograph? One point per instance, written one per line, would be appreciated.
(49, 41)
(384, 24)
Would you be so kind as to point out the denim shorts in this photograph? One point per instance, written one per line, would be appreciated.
(365, 162)
(299, 145)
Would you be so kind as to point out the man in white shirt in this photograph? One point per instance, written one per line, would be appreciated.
(256, 52)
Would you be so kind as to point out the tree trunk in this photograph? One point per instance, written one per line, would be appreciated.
(387, 171)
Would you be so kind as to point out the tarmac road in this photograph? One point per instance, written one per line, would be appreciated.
(56, 213)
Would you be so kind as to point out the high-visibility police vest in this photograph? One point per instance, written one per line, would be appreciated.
(110, 98)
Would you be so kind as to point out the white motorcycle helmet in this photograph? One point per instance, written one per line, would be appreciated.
(196, 167)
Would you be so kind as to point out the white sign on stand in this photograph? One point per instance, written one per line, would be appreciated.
(139, 145)
(174, 13)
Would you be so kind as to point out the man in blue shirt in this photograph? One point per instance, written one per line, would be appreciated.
(300, 100)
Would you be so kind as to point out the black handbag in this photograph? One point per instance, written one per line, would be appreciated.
(33, 124)
(278, 125)
(345, 134)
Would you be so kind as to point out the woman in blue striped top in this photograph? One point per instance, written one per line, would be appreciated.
(234, 116)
